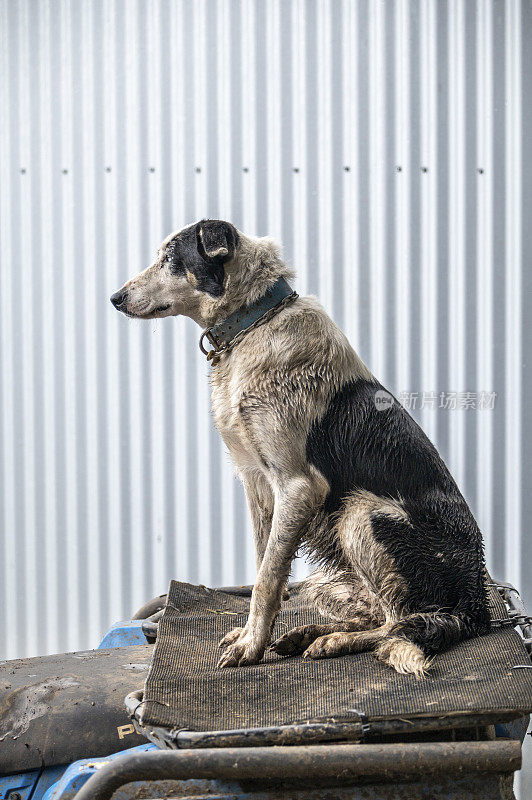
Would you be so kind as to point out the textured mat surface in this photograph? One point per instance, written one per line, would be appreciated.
(185, 690)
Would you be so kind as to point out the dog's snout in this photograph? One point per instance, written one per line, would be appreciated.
(119, 298)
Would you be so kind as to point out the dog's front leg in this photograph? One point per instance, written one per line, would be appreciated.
(260, 501)
(296, 501)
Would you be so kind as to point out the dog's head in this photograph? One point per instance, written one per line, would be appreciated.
(187, 276)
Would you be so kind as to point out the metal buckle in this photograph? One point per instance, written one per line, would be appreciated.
(211, 353)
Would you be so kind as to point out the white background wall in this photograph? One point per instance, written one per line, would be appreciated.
(386, 144)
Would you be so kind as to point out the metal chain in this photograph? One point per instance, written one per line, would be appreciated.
(214, 355)
(511, 621)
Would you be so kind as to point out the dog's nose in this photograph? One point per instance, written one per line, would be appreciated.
(118, 298)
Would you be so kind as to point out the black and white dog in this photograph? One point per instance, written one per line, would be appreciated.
(399, 555)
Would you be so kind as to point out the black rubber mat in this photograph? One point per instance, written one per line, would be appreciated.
(185, 690)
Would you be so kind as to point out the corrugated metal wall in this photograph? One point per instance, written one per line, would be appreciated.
(382, 142)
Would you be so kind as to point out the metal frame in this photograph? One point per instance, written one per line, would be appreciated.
(355, 730)
(340, 764)
(517, 613)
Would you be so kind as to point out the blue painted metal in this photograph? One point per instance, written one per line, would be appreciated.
(79, 772)
(30, 785)
(47, 778)
(124, 634)
(515, 729)
(21, 784)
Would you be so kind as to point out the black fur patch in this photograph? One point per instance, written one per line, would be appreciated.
(357, 446)
(182, 255)
(439, 552)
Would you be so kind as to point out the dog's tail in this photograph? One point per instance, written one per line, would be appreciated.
(411, 642)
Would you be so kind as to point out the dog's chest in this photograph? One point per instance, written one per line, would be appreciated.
(226, 395)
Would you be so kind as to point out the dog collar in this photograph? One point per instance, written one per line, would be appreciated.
(227, 333)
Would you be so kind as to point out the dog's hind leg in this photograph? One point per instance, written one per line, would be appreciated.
(340, 643)
(404, 656)
(298, 639)
(334, 595)
(341, 596)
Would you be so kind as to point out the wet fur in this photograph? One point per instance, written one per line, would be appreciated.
(399, 555)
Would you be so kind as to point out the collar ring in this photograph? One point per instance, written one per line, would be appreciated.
(208, 353)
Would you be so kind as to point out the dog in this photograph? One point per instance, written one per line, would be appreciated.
(329, 460)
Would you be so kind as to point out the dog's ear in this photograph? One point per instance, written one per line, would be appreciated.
(216, 241)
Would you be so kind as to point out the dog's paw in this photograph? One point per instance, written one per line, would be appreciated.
(243, 651)
(334, 644)
(295, 641)
(231, 637)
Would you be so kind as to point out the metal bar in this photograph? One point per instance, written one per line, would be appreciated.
(275, 735)
(321, 762)
(149, 629)
(324, 731)
(158, 603)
